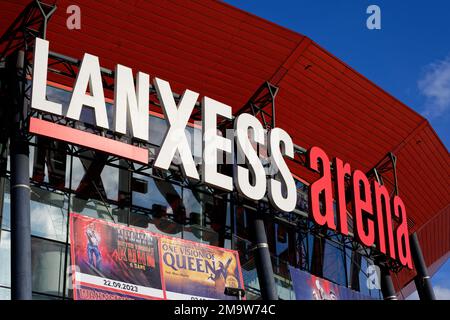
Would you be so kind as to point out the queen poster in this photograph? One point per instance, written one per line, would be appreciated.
(193, 270)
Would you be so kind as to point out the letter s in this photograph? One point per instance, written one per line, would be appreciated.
(280, 143)
(242, 124)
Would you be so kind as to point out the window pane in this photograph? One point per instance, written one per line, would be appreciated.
(156, 223)
(247, 261)
(207, 216)
(363, 279)
(160, 195)
(242, 223)
(283, 283)
(194, 136)
(5, 294)
(44, 297)
(48, 211)
(50, 163)
(110, 182)
(193, 204)
(94, 208)
(349, 263)
(163, 202)
(48, 214)
(5, 258)
(157, 130)
(59, 96)
(333, 266)
(47, 266)
(302, 196)
(87, 114)
(92, 178)
(6, 217)
(201, 234)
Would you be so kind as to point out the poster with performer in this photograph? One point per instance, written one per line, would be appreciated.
(112, 261)
(116, 262)
(309, 287)
(193, 270)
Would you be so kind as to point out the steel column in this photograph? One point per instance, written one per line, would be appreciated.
(263, 261)
(21, 284)
(354, 270)
(422, 279)
(387, 286)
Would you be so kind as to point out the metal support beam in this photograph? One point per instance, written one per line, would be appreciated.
(318, 255)
(263, 262)
(422, 279)
(20, 185)
(354, 270)
(258, 104)
(385, 172)
(387, 286)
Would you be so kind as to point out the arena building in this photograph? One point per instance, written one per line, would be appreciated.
(362, 206)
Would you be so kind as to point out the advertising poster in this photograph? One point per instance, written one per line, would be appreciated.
(196, 271)
(115, 262)
(309, 287)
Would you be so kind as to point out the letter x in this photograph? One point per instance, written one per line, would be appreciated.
(177, 119)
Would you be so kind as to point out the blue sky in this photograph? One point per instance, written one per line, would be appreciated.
(409, 56)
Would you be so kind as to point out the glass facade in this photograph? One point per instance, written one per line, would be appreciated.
(66, 179)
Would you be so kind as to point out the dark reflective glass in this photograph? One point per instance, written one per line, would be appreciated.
(48, 211)
(333, 265)
(48, 262)
(162, 201)
(247, 261)
(157, 130)
(302, 196)
(94, 208)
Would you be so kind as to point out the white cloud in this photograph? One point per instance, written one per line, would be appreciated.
(435, 86)
(413, 296)
(442, 293)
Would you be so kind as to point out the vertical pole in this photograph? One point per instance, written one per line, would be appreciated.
(2, 195)
(354, 270)
(387, 286)
(20, 187)
(263, 261)
(318, 256)
(422, 279)
(124, 193)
